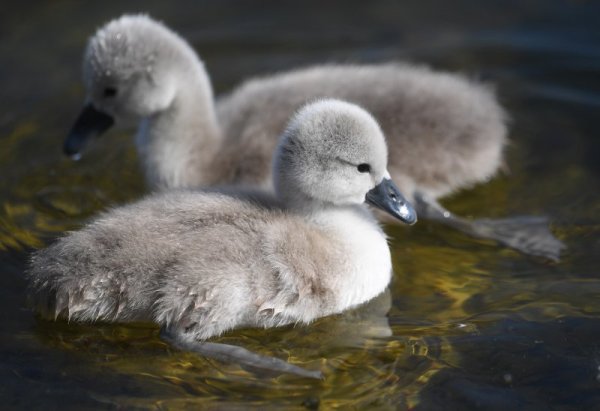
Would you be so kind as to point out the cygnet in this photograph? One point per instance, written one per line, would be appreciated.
(200, 263)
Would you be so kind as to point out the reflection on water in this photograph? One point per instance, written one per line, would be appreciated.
(465, 325)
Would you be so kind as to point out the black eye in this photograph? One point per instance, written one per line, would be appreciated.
(110, 92)
(364, 168)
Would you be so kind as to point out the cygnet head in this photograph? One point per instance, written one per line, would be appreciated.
(334, 153)
(128, 72)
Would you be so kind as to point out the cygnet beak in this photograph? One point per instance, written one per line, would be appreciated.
(387, 197)
(90, 123)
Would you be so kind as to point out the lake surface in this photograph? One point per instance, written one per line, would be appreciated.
(465, 325)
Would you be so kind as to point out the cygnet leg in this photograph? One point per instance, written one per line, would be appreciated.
(236, 355)
(527, 234)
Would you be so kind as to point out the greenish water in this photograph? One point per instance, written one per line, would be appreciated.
(466, 325)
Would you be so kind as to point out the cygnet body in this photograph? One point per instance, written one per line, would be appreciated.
(200, 263)
(444, 131)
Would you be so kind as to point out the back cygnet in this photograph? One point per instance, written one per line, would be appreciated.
(200, 263)
(445, 132)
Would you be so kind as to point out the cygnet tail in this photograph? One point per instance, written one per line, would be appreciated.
(238, 355)
(70, 279)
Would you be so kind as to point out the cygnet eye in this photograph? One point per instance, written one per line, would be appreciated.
(110, 92)
(364, 168)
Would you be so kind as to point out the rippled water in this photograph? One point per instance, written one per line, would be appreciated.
(465, 325)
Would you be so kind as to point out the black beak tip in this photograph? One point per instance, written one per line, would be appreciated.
(69, 151)
(412, 219)
(74, 153)
(406, 213)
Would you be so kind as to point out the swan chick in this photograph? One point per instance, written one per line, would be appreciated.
(137, 70)
(201, 263)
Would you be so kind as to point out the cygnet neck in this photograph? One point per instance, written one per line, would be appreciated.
(315, 209)
(180, 143)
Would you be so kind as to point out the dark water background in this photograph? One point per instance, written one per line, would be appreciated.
(470, 325)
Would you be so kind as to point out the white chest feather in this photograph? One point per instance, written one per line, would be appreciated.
(366, 267)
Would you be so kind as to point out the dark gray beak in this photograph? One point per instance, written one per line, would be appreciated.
(387, 197)
(89, 124)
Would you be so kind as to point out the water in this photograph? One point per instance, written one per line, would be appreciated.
(468, 325)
